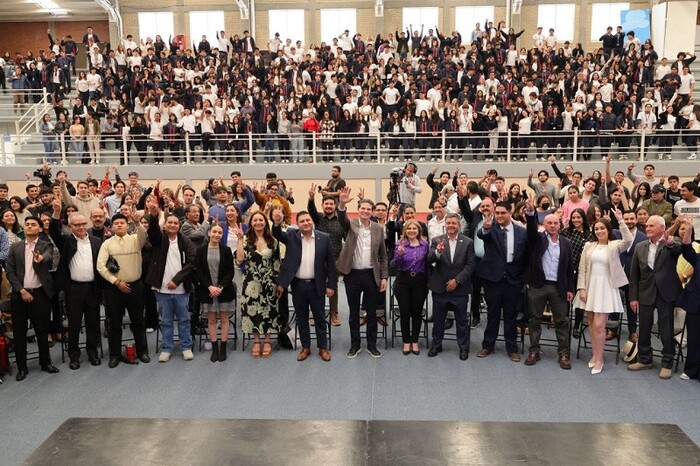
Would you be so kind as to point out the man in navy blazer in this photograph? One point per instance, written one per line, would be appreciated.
(630, 219)
(549, 275)
(309, 266)
(77, 276)
(501, 270)
(452, 257)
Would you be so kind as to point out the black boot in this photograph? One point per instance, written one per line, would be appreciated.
(222, 351)
(214, 351)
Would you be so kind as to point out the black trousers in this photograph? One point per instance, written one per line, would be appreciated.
(356, 283)
(133, 302)
(441, 304)
(411, 291)
(692, 360)
(501, 296)
(304, 296)
(39, 312)
(83, 301)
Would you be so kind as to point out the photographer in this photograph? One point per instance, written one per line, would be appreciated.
(409, 187)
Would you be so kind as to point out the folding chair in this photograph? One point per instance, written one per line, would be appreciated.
(610, 346)
(395, 314)
(232, 328)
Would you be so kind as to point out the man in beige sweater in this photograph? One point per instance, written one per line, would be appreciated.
(84, 201)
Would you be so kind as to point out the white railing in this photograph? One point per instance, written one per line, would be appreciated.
(441, 146)
(30, 113)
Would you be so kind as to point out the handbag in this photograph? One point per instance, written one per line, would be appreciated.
(112, 265)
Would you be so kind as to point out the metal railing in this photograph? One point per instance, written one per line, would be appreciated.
(28, 113)
(253, 148)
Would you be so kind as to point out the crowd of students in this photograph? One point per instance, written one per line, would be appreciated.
(598, 244)
(422, 93)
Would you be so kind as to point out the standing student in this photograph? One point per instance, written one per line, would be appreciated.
(215, 289)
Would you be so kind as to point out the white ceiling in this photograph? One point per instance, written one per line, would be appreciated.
(27, 10)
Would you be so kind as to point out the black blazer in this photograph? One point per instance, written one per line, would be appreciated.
(626, 256)
(324, 263)
(645, 283)
(534, 273)
(225, 276)
(15, 267)
(160, 242)
(68, 246)
(445, 269)
(494, 266)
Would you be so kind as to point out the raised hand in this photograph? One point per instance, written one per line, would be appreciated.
(57, 205)
(440, 247)
(400, 248)
(277, 216)
(618, 215)
(488, 222)
(344, 197)
(312, 191)
(361, 194)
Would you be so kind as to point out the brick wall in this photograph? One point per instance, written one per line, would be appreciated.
(22, 37)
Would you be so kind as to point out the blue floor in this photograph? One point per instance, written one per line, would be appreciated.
(395, 387)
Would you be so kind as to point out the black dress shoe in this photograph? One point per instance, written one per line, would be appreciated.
(113, 361)
(449, 323)
(144, 358)
(74, 365)
(51, 369)
(416, 352)
(463, 355)
(434, 350)
(21, 375)
(95, 361)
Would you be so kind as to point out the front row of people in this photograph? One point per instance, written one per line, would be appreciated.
(511, 257)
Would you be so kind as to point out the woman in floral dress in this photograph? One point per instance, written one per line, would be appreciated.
(259, 256)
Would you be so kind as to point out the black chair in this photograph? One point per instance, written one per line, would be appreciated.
(610, 345)
(232, 329)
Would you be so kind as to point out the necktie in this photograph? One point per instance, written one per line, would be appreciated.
(505, 242)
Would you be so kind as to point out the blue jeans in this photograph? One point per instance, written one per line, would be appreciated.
(174, 306)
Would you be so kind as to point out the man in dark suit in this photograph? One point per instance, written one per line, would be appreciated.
(363, 263)
(630, 219)
(655, 284)
(77, 276)
(475, 218)
(502, 269)
(28, 270)
(550, 277)
(309, 267)
(452, 256)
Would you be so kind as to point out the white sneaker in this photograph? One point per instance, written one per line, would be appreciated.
(692, 156)
(150, 330)
(207, 345)
(605, 158)
(164, 357)
(391, 159)
(660, 157)
(188, 355)
(669, 157)
(421, 159)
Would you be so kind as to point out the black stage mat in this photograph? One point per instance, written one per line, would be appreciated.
(98, 441)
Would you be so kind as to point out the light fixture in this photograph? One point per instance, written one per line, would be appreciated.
(51, 7)
(243, 8)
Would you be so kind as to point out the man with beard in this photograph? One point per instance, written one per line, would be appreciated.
(334, 185)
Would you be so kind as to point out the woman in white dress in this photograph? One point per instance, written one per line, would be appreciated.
(600, 276)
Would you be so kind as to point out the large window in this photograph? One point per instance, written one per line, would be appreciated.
(466, 18)
(427, 17)
(559, 17)
(289, 24)
(604, 15)
(206, 23)
(152, 24)
(334, 21)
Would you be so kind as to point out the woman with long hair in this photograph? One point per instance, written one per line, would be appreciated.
(600, 275)
(259, 253)
(411, 285)
(215, 290)
(9, 222)
(77, 139)
(578, 232)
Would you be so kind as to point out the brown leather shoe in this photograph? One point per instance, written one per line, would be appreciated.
(303, 354)
(515, 357)
(532, 358)
(381, 320)
(325, 354)
(335, 321)
(564, 362)
(363, 321)
(483, 352)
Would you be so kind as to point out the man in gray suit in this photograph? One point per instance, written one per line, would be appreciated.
(28, 270)
(655, 284)
(363, 263)
(452, 256)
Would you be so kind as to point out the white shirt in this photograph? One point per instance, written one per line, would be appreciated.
(173, 265)
(435, 227)
(361, 258)
(80, 266)
(452, 244)
(510, 242)
(308, 253)
(651, 258)
(686, 81)
(692, 210)
(31, 280)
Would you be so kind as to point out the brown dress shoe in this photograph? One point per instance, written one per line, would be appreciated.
(564, 362)
(381, 320)
(325, 354)
(483, 352)
(363, 321)
(532, 358)
(514, 357)
(303, 354)
(335, 321)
